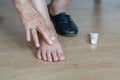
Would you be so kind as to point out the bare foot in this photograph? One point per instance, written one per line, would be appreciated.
(48, 52)
(52, 52)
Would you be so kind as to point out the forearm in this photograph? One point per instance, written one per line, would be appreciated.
(23, 5)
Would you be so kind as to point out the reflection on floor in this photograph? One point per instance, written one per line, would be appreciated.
(17, 61)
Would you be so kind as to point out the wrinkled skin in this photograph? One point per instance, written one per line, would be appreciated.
(32, 21)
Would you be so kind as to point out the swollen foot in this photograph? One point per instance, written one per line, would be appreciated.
(50, 52)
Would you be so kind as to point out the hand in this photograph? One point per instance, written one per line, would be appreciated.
(34, 22)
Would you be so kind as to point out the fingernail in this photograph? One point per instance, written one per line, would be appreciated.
(28, 39)
(37, 45)
(50, 42)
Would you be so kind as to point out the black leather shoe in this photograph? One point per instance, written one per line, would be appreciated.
(64, 24)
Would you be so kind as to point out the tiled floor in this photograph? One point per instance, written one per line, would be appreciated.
(17, 61)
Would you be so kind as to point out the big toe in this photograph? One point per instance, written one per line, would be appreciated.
(61, 55)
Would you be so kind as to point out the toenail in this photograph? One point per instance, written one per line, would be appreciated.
(50, 60)
(56, 59)
(39, 57)
(45, 59)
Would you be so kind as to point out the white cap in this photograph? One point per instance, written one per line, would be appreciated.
(94, 41)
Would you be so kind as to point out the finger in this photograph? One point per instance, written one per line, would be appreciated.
(28, 37)
(27, 31)
(45, 35)
(35, 37)
(39, 54)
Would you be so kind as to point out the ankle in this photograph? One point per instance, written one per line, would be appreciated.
(56, 9)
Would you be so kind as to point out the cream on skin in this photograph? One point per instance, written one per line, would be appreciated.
(94, 38)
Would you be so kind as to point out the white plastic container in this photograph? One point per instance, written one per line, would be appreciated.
(94, 38)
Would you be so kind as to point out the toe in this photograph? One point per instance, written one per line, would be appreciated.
(49, 57)
(54, 55)
(61, 55)
(44, 57)
(39, 54)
